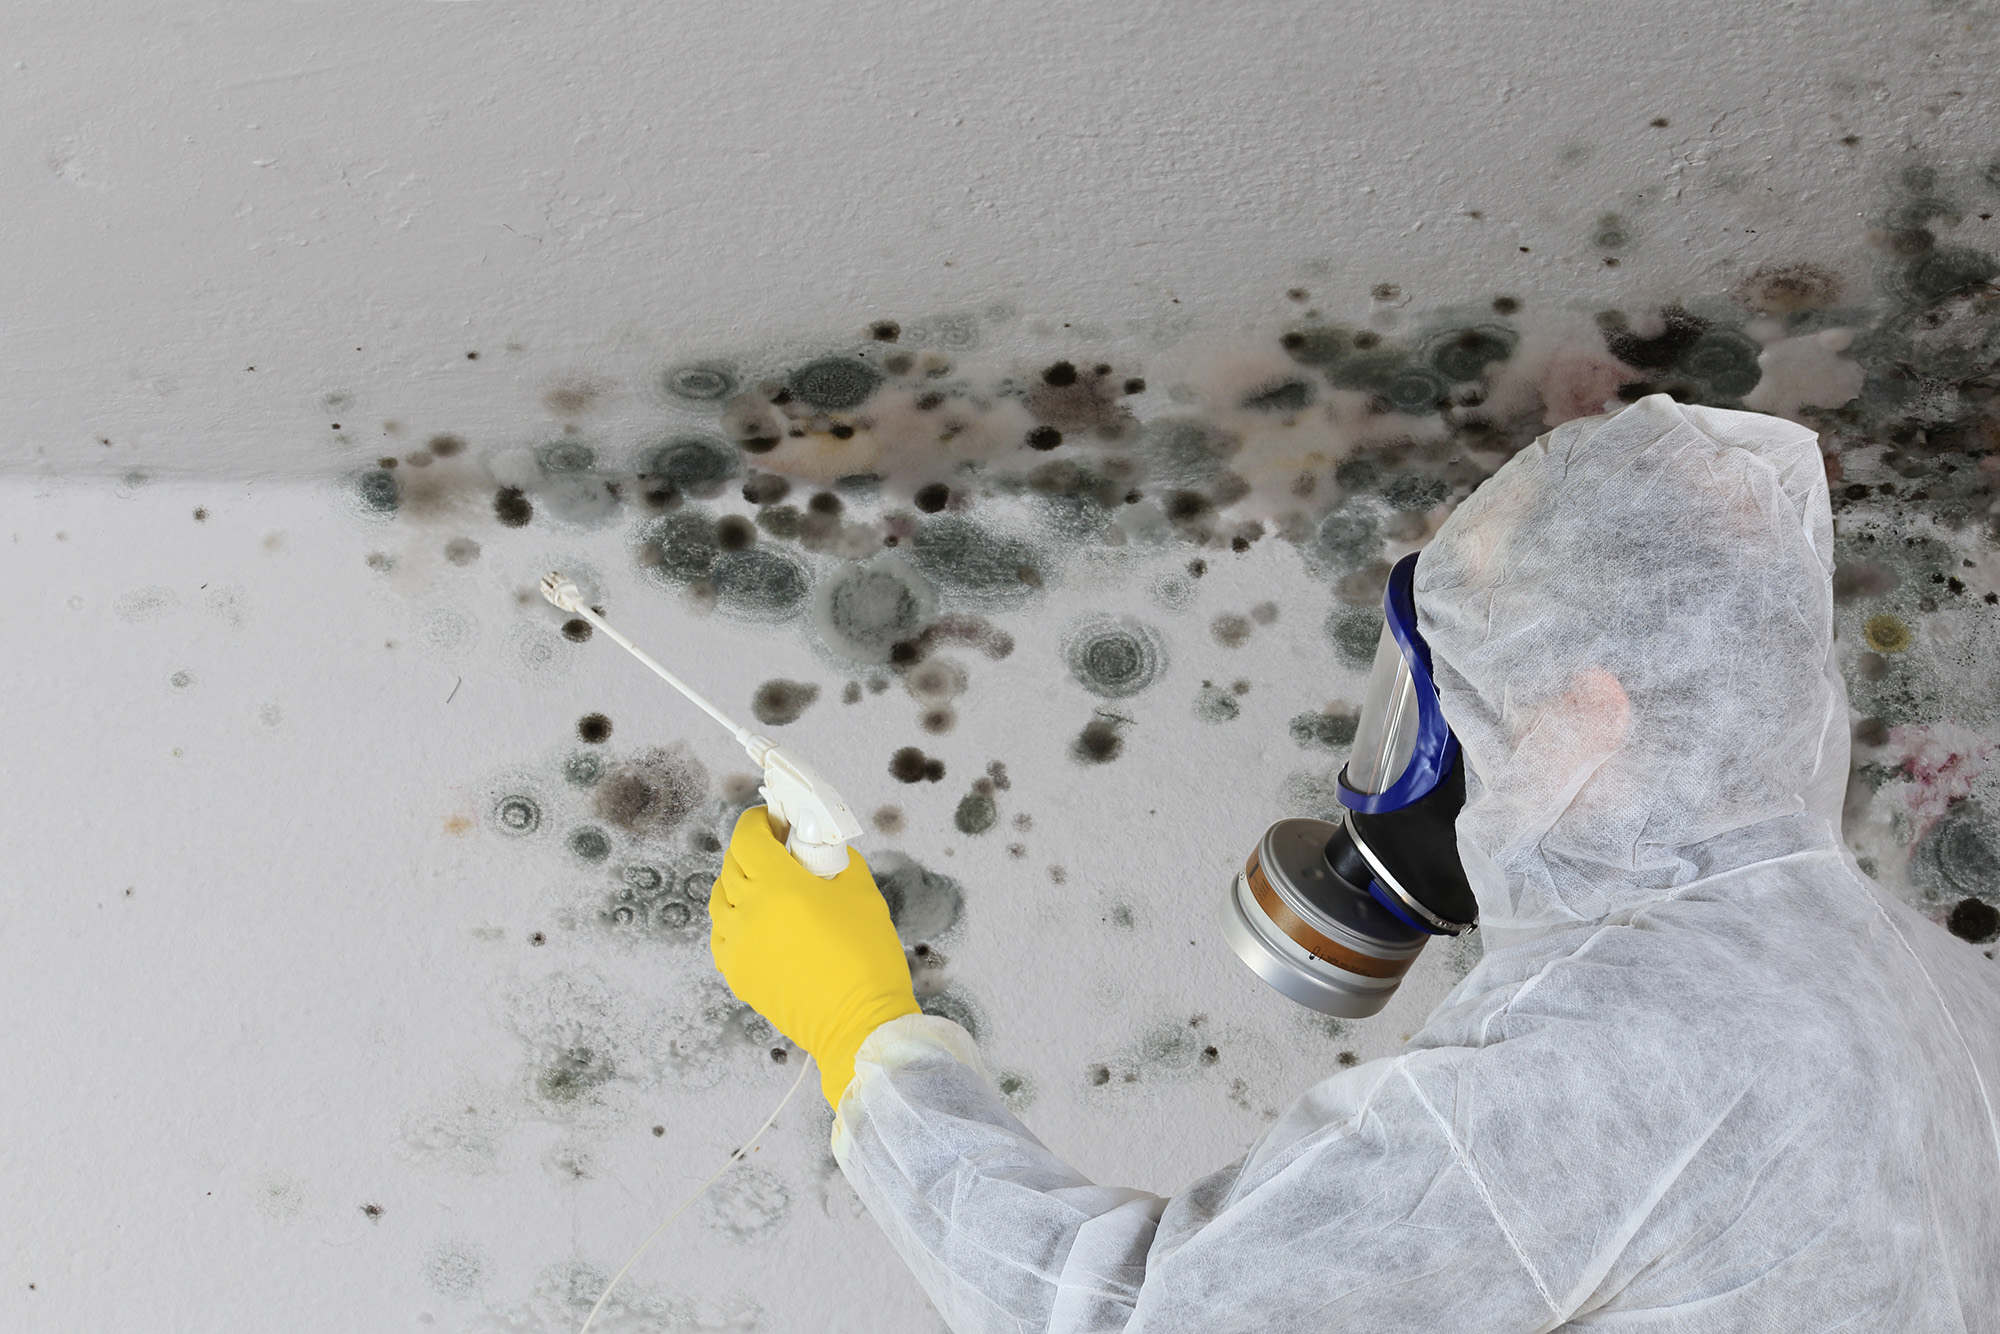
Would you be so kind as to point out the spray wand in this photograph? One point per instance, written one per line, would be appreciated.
(803, 809)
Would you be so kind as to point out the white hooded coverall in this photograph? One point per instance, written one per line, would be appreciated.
(1707, 1077)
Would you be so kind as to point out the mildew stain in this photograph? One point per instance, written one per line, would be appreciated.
(779, 702)
(651, 793)
(1114, 657)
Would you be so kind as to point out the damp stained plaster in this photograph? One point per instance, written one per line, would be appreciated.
(1016, 420)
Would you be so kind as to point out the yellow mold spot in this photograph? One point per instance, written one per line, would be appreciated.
(1886, 633)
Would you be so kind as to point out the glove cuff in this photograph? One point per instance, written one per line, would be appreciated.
(836, 1055)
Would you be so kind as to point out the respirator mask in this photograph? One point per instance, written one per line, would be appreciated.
(1333, 914)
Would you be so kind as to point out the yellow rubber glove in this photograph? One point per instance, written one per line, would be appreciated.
(818, 958)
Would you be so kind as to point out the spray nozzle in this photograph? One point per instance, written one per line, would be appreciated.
(562, 591)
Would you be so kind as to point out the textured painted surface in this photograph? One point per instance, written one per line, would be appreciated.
(1013, 408)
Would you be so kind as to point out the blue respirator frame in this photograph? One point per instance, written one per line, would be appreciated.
(1436, 748)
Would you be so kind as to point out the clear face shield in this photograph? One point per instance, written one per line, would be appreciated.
(1334, 913)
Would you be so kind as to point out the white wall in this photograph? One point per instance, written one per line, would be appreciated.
(268, 956)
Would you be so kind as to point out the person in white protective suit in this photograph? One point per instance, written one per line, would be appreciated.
(1707, 1076)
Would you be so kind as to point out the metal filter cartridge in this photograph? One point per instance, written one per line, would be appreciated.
(1301, 916)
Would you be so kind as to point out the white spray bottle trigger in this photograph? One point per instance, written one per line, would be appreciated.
(804, 809)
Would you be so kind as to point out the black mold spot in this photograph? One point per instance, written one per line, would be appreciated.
(1355, 632)
(697, 464)
(975, 814)
(1506, 305)
(512, 507)
(1677, 335)
(1944, 270)
(1060, 375)
(1347, 537)
(1463, 355)
(783, 521)
(1414, 492)
(377, 489)
(888, 819)
(1113, 657)
(1290, 395)
(885, 331)
(1414, 391)
(517, 815)
(734, 532)
(766, 488)
(445, 446)
(761, 582)
(1098, 1075)
(834, 384)
(371, 1211)
(681, 546)
(700, 382)
(1044, 438)
(934, 497)
(1974, 921)
(778, 702)
(659, 495)
(938, 719)
(590, 843)
(461, 551)
(653, 792)
(576, 629)
(1135, 385)
(972, 559)
(865, 611)
(594, 728)
(1099, 742)
(825, 502)
(583, 769)
(1724, 361)
(1318, 345)
(910, 765)
(1334, 731)
(1961, 854)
